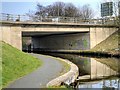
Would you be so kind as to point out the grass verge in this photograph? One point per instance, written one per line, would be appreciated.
(63, 87)
(66, 67)
(16, 64)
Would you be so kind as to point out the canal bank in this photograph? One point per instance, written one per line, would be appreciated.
(91, 69)
(52, 68)
(67, 78)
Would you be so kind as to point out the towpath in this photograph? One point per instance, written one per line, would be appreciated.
(50, 69)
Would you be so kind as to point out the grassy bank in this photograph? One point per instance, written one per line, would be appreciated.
(16, 64)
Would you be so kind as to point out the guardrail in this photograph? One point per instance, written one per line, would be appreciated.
(11, 17)
(34, 18)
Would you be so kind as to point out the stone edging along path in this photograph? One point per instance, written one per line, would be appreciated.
(66, 78)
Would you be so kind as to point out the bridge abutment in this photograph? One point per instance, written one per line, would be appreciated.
(12, 35)
(98, 34)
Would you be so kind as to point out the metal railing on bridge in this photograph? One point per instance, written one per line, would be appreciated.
(26, 18)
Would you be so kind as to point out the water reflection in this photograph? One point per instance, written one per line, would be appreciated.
(94, 67)
(111, 83)
(99, 70)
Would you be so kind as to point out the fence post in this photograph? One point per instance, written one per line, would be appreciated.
(8, 16)
(19, 17)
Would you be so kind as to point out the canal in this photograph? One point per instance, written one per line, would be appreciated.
(97, 72)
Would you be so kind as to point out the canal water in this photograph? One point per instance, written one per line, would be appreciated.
(113, 82)
(95, 72)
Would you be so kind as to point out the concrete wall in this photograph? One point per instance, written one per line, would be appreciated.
(98, 34)
(79, 41)
(12, 35)
(11, 32)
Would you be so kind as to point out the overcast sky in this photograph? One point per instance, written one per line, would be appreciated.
(23, 6)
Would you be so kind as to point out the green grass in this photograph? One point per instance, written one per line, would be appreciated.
(62, 87)
(65, 69)
(108, 45)
(16, 64)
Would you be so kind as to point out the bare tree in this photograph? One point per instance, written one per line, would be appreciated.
(55, 9)
(70, 10)
(63, 10)
(59, 8)
(32, 16)
(41, 10)
(50, 10)
(86, 12)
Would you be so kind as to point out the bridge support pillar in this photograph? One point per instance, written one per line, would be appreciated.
(98, 34)
(12, 35)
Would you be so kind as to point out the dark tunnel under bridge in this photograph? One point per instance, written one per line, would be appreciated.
(32, 41)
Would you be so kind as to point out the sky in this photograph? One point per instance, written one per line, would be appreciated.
(24, 6)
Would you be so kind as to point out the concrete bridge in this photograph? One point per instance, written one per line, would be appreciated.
(56, 36)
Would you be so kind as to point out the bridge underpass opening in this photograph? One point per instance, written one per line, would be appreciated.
(55, 41)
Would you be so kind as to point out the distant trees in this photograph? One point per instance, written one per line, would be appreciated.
(63, 10)
(71, 11)
(41, 10)
(86, 12)
(58, 9)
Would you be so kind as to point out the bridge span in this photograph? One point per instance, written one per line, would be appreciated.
(56, 36)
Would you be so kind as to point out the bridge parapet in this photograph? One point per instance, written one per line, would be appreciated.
(54, 19)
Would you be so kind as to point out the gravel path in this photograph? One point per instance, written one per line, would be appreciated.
(50, 69)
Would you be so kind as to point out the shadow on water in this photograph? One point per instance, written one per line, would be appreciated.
(94, 72)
